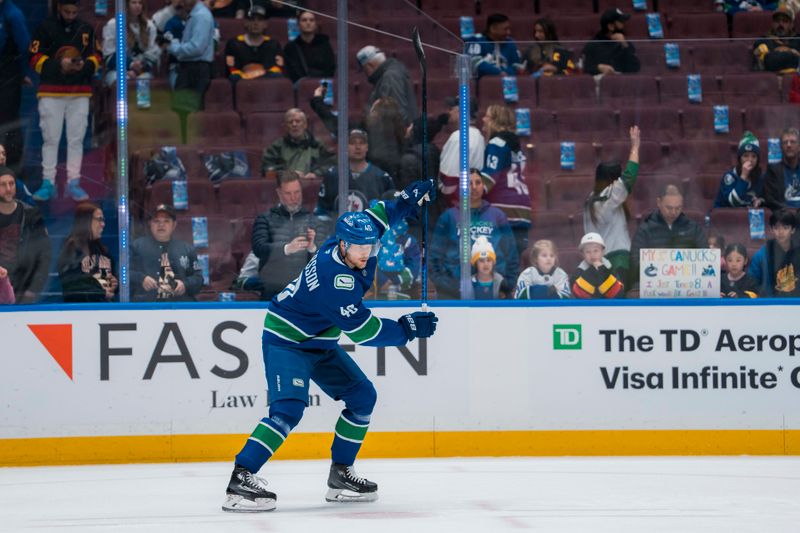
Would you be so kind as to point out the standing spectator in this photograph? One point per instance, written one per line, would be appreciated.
(494, 53)
(610, 52)
(779, 50)
(504, 171)
(667, 227)
(776, 265)
(387, 133)
(366, 182)
(782, 180)
(253, 55)
(595, 275)
(450, 163)
(486, 283)
(14, 43)
(411, 162)
(143, 54)
(165, 14)
(284, 238)
(736, 282)
(24, 243)
(486, 220)
(85, 266)
(389, 78)
(310, 54)
(742, 185)
(23, 194)
(163, 268)
(63, 54)
(606, 209)
(544, 279)
(297, 150)
(547, 56)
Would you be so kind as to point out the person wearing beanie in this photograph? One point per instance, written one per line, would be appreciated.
(595, 276)
(742, 186)
(486, 283)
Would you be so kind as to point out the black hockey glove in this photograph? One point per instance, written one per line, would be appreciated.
(419, 325)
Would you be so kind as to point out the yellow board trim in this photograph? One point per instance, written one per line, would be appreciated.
(187, 448)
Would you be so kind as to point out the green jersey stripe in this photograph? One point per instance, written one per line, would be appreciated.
(366, 331)
(282, 328)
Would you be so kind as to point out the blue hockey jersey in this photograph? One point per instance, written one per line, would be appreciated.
(325, 300)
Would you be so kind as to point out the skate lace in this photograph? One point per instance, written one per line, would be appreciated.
(353, 475)
(253, 481)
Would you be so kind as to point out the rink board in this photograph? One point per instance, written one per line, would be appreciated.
(145, 384)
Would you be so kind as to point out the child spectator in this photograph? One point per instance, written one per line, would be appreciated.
(6, 290)
(717, 241)
(486, 283)
(547, 56)
(543, 280)
(742, 185)
(776, 264)
(736, 283)
(595, 276)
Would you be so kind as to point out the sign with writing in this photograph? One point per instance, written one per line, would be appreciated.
(679, 273)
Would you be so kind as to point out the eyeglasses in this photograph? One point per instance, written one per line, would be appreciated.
(99, 219)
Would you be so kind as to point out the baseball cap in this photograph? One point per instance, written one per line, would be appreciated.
(164, 208)
(357, 132)
(592, 238)
(364, 55)
(257, 9)
(783, 10)
(612, 15)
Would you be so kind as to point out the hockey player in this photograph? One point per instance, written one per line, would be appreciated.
(300, 342)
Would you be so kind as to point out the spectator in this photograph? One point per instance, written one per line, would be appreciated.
(230, 8)
(494, 53)
(544, 279)
(366, 182)
(411, 167)
(776, 265)
(717, 241)
(6, 290)
(398, 263)
(782, 180)
(736, 282)
(63, 54)
(450, 164)
(595, 277)
(389, 78)
(310, 54)
(143, 54)
(742, 185)
(504, 171)
(163, 268)
(667, 227)
(606, 209)
(253, 55)
(610, 52)
(22, 194)
(779, 50)
(14, 43)
(24, 243)
(297, 150)
(486, 220)
(284, 238)
(486, 283)
(547, 56)
(85, 266)
(173, 8)
(732, 7)
(387, 129)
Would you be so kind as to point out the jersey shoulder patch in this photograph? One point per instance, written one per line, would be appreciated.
(729, 179)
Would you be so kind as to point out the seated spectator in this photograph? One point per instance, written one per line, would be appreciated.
(165, 14)
(486, 220)
(24, 243)
(284, 238)
(389, 79)
(595, 277)
(547, 56)
(610, 52)
(742, 185)
(544, 279)
(248, 278)
(310, 54)
(736, 282)
(504, 171)
(486, 283)
(297, 150)
(735, 6)
(367, 181)
(716, 241)
(85, 266)
(22, 194)
(494, 52)
(450, 162)
(6, 290)
(779, 50)
(253, 55)
(606, 209)
(667, 227)
(782, 180)
(398, 263)
(143, 54)
(163, 268)
(776, 265)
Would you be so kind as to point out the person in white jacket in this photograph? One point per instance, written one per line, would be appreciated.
(143, 53)
(450, 160)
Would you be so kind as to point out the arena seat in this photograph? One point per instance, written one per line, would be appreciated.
(657, 123)
(264, 94)
(720, 57)
(263, 128)
(622, 91)
(698, 123)
(201, 196)
(685, 6)
(558, 92)
(752, 24)
(565, 7)
(673, 90)
(546, 160)
(592, 124)
(754, 88)
(222, 128)
(219, 96)
(247, 198)
(567, 193)
(693, 25)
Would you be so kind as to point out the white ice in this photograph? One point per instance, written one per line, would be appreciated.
(731, 494)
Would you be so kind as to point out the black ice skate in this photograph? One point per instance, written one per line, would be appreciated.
(345, 485)
(247, 493)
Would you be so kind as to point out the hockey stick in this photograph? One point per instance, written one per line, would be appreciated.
(424, 237)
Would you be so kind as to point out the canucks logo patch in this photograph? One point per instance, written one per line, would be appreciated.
(298, 382)
(344, 281)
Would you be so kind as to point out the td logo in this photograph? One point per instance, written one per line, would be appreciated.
(566, 336)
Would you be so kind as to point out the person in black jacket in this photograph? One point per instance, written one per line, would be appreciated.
(782, 180)
(310, 55)
(24, 243)
(609, 52)
(284, 238)
(254, 55)
(163, 268)
(667, 227)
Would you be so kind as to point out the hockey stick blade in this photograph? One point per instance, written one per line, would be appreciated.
(415, 38)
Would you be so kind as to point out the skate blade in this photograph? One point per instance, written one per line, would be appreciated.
(348, 496)
(238, 504)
